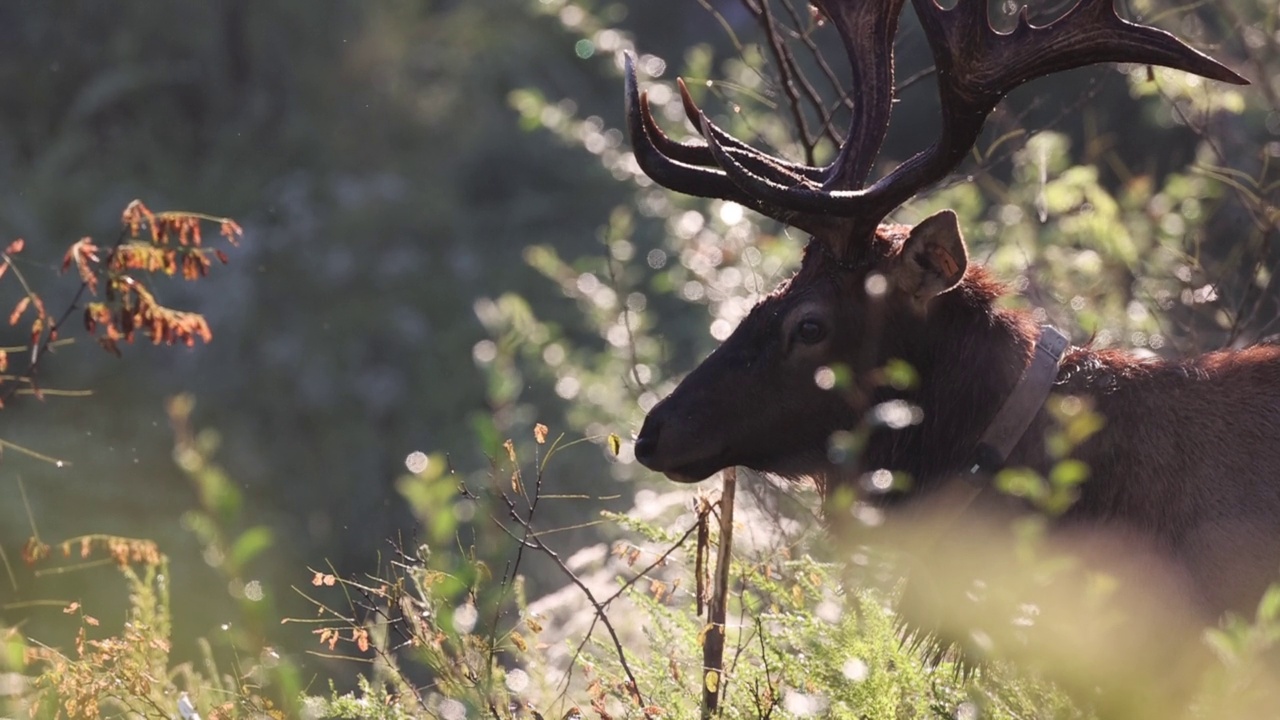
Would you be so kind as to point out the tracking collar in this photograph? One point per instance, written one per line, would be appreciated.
(1020, 408)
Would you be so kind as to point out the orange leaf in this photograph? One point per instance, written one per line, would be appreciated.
(15, 247)
(18, 309)
(230, 230)
(34, 551)
(85, 256)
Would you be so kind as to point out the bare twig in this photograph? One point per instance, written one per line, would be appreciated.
(806, 38)
(626, 324)
(713, 646)
(789, 75)
(531, 541)
(626, 586)
(50, 334)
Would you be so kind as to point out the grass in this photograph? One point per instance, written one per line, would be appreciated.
(440, 635)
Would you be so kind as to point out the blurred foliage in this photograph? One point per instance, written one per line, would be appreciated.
(625, 640)
(371, 155)
(236, 553)
(451, 243)
(127, 669)
(128, 666)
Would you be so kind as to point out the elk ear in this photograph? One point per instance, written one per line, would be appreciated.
(933, 258)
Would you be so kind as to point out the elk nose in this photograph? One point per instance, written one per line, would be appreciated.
(647, 444)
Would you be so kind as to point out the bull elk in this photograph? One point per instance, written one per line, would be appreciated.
(1189, 457)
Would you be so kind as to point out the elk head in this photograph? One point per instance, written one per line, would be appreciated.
(866, 291)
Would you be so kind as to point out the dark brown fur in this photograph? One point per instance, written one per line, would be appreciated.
(1183, 502)
(1187, 464)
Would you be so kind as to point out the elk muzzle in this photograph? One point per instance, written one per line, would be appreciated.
(674, 446)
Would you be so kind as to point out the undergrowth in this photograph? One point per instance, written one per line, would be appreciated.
(442, 635)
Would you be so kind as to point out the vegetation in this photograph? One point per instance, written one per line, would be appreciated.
(450, 248)
(625, 640)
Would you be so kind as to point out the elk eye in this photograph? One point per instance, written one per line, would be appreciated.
(811, 332)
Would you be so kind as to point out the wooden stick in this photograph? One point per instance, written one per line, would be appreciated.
(713, 644)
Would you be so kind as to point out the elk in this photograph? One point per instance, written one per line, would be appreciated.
(1188, 459)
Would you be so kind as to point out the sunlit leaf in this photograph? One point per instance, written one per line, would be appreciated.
(711, 680)
(1068, 473)
(900, 374)
(13, 653)
(1269, 608)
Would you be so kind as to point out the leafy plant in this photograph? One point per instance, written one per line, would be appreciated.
(167, 243)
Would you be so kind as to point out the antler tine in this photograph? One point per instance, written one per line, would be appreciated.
(680, 171)
(798, 197)
(795, 194)
(977, 67)
(692, 169)
(867, 28)
(980, 65)
(702, 155)
(730, 169)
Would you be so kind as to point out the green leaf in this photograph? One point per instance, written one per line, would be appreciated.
(1269, 608)
(249, 545)
(615, 444)
(1021, 482)
(900, 374)
(1068, 473)
(14, 652)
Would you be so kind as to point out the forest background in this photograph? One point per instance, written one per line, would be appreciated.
(447, 243)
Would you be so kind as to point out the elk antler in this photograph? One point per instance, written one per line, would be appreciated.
(693, 170)
(976, 68)
(696, 169)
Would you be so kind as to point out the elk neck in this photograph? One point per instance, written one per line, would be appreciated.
(969, 353)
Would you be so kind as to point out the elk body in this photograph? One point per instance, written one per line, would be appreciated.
(1188, 461)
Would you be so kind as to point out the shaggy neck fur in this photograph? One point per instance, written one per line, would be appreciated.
(969, 354)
